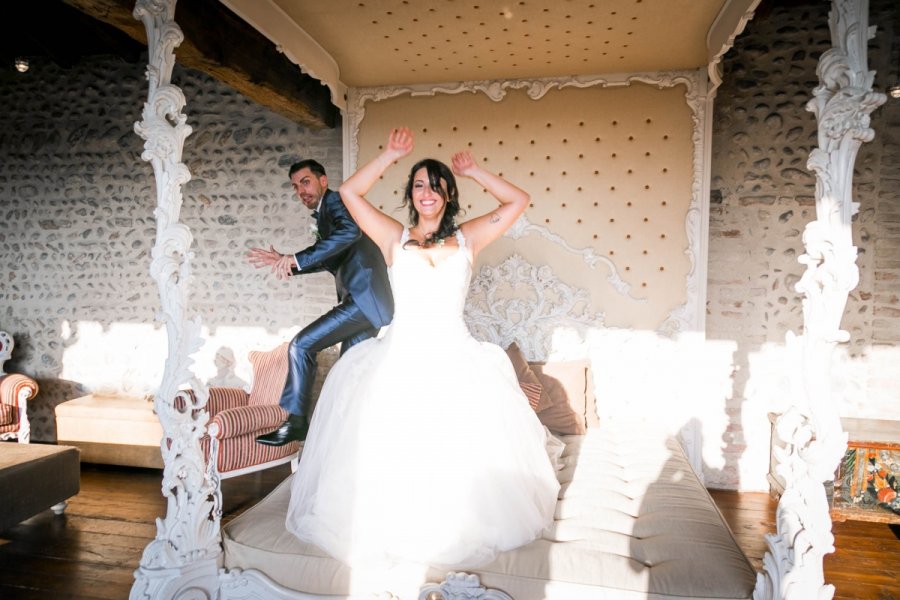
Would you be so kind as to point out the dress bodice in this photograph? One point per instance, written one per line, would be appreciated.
(430, 299)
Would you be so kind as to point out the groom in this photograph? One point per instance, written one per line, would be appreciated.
(363, 290)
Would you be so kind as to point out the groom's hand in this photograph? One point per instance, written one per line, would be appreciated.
(260, 258)
(284, 267)
(281, 264)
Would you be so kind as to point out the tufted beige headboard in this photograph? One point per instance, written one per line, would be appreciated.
(611, 174)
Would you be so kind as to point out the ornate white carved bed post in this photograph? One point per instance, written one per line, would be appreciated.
(811, 428)
(182, 561)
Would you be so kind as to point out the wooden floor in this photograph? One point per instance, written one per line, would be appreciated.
(866, 561)
(93, 550)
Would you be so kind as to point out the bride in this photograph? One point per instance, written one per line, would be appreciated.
(422, 446)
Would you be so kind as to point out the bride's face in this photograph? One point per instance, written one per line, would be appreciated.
(429, 203)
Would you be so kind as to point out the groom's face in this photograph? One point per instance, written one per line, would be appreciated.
(309, 187)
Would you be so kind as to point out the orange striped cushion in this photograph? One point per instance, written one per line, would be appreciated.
(9, 415)
(269, 374)
(532, 392)
(12, 384)
(248, 419)
(223, 398)
(219, 399)
(528, 381)
(243, 451)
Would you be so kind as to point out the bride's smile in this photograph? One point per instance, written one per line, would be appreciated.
(427, 201)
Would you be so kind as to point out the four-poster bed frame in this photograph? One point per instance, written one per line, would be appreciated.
(184, 559)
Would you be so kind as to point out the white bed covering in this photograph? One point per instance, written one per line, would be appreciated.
(633, 521)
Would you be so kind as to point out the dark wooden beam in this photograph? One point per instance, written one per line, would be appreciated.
(49, 28)
(221, 44)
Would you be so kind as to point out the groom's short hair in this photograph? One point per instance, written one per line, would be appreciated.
(310, 164)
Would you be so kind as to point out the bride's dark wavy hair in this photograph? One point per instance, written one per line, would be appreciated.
(436, 171)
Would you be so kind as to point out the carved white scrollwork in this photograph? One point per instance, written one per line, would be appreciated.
(523, 227)
(461, 586)
(517, 301)
(811, 433)
(181, 561)
(238, 584)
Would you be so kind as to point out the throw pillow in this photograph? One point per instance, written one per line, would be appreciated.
(269, 374)
(568, 390)
(528, 381)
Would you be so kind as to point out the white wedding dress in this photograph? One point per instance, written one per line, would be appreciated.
(422, 446)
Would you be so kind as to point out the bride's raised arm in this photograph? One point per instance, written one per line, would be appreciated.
(382, 229)
(483, 230)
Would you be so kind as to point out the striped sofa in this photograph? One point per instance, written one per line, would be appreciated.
(237, 417)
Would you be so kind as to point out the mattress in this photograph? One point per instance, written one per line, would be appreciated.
(632, 521)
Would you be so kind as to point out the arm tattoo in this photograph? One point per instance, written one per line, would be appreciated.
(495, 218)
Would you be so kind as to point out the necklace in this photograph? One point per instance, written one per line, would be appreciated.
(428, 241)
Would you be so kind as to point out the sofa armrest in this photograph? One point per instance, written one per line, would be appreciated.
(246, 419)
(219, 399)
(16, 389)
(225, 398)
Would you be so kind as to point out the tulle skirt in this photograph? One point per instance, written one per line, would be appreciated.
(426, 452)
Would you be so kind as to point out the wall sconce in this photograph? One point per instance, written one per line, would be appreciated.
(22, 65)
(893, 89)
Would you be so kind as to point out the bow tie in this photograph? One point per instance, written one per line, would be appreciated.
(315, 214)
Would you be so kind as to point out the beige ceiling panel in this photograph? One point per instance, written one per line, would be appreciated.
(392, 42)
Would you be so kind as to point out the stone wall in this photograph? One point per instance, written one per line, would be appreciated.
(78, 227)
(762, 197)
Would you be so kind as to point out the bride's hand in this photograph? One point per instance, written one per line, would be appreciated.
(400, 143)
(463, 164)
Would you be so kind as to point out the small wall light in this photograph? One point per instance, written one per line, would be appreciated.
(894, 91)
(21, 65)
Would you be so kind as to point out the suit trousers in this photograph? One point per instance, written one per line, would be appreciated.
(344, 323)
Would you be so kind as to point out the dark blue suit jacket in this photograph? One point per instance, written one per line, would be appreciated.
(355, 261)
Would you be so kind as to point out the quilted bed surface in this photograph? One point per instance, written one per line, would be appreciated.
(633, 521)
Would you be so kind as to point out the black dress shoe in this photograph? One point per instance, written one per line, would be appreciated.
(294, 428)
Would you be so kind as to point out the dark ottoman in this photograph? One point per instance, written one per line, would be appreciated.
(35, 477)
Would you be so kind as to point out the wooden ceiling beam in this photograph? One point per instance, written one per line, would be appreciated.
(220, 44)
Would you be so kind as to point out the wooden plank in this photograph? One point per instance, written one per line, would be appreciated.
(858, 590)
(19, 592)
(46, 574)
(53, 586)
(234, 53)
(876, 514)
(866, 564)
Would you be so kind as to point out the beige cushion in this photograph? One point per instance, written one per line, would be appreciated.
(269, 374)
(633, 522)
(569, 391)
(111, 429)
(528, 381)
(109, 419)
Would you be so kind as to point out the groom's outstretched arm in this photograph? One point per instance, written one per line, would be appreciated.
(344, 232)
